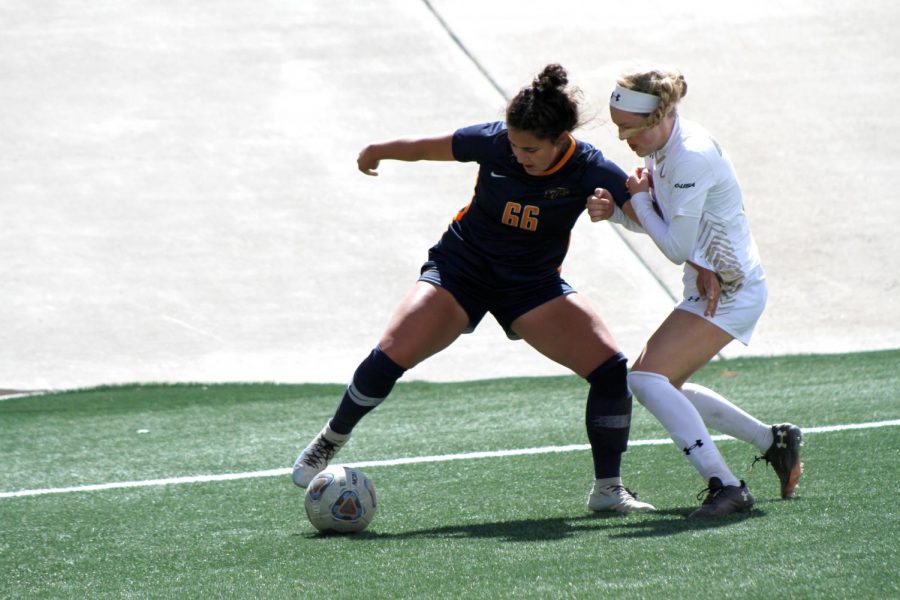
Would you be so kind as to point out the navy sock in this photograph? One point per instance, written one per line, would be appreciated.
(608, 415)
(372, 382)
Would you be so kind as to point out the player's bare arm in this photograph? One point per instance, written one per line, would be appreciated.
(429, 148)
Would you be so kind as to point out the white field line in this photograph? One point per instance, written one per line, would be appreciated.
(15, 395)
(396, 461)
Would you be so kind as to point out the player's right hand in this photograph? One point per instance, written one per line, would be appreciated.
(600, 205)
(710, 289)
(367, 163)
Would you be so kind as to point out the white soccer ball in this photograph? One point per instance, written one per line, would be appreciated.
(340, 499)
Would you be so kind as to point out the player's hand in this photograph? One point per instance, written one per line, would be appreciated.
(639, 182)
(640, 171)
(710, 289)
(367, 161)
(600, 205)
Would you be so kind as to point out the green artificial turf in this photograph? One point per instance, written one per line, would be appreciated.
(491, 527)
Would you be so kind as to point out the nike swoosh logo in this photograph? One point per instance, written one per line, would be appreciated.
(498, 176)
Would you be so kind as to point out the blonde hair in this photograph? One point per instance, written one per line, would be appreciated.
(669, 86)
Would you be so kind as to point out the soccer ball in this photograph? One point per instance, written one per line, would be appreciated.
(341, 500)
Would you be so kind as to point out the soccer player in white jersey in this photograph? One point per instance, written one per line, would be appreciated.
(687, 198)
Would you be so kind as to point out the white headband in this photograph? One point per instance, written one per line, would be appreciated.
(632, 101)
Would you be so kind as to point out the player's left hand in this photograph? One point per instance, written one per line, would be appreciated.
(600, 205)
(710, 289)
(639, 181)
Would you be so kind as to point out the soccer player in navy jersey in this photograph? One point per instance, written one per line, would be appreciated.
(502, 254)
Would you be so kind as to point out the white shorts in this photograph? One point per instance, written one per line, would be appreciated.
(737, 313)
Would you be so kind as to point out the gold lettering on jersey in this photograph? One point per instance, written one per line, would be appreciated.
(523, 217)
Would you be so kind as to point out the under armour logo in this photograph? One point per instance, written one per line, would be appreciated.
(745, 496)
(615, 97)
(697, 444)
(781, 443)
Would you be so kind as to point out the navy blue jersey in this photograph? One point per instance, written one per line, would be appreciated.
(516, 228)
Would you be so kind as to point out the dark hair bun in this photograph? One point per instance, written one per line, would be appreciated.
(547, 108)
(552, 78)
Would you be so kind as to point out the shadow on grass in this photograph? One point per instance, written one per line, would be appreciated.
(649, 528)
(656, 524)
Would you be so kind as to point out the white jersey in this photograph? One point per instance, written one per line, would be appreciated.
(692, 177)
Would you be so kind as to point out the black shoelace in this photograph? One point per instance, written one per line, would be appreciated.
(615, 488)
(322, 451)
(711, 494)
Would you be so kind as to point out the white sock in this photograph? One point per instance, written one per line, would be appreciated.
(607, 483)
(721, 415)
(683, 422)
(333, 436)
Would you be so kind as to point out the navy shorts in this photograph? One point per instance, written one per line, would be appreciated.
(506, 304)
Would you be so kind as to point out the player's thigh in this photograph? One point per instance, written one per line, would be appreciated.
(425, 322)
(568, 331)
(680, 346)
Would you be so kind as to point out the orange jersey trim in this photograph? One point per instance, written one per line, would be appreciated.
(562, 162)
(462, 212)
